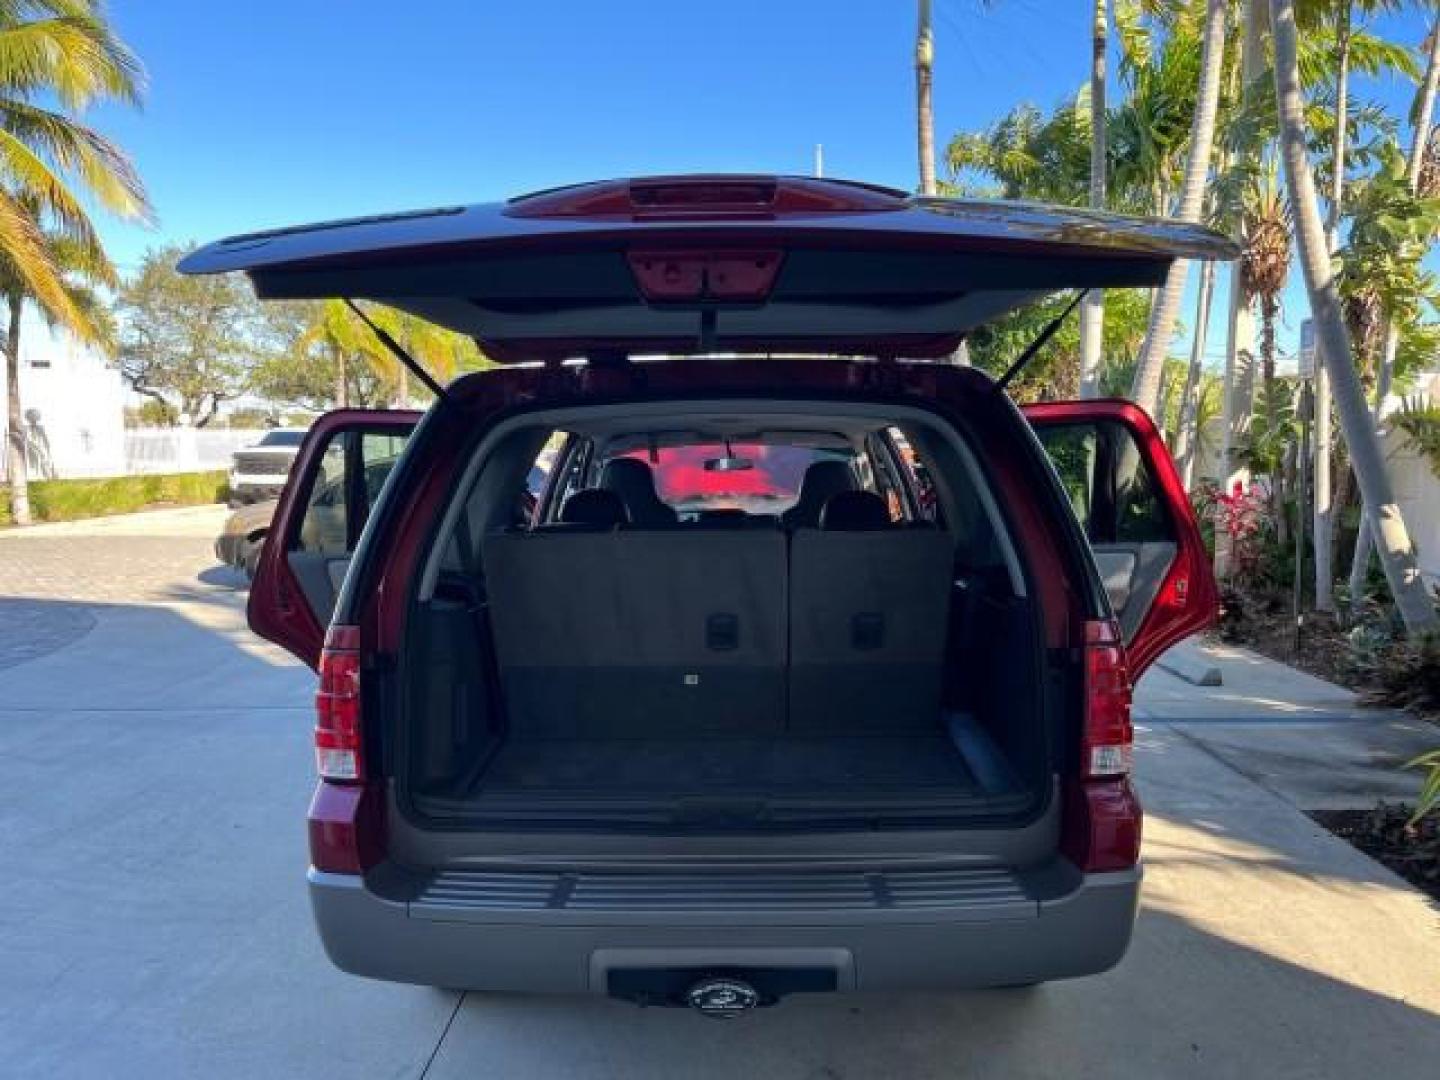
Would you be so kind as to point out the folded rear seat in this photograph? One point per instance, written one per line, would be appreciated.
(703, 617)
(626, 633)
(869, 607)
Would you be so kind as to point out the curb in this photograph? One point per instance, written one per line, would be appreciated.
(1196, 671)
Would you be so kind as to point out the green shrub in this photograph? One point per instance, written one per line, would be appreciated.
(1429, 799)
(1420, 421)
(70, 500)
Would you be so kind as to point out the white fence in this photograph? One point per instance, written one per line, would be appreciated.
(69, 455)
(176, 450)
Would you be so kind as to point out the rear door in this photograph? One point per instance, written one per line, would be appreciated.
(701, 264)
(1128, 497)
(337, 478)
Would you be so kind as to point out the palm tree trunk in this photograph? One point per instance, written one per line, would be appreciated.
(1397, 556)
(402, 389)
(15, 416)
(1424, 113)
(1187, 440)
(924, 110)
(1238, 402)
(1146, 389)
(1092, 311)
(1324, 437)
(342, 379)
(1269, 310)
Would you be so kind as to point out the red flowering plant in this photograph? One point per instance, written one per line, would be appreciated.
(1239, 517)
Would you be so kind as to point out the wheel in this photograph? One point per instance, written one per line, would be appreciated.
(251, 559)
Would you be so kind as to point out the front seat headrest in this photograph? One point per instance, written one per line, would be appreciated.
(821, 480)
(634, 482)
(595, 507)
(855, 511)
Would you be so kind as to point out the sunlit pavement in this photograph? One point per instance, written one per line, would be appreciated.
(154, 923)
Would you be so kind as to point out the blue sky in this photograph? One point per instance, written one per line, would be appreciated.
(275, 112)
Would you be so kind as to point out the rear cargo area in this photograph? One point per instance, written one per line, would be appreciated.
(725, 679)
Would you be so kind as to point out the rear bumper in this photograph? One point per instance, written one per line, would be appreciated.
(500, 939)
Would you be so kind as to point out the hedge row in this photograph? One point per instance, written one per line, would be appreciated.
(69, 500)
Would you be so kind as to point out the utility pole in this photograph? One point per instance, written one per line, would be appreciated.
(924, 110)
(819, 159)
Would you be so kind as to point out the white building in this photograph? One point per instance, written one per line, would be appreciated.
(74, 401)
(1417, 488)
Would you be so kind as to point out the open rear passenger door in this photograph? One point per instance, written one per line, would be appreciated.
(336, 479)
(1128, 497)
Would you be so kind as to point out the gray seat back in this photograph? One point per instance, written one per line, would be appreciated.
(624, 634)
(704, 621)
(869, 615)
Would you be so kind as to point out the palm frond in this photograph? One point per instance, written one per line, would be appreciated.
(100, 165)
(27, 265)
(74, 55)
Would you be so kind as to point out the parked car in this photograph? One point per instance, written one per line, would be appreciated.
(243, 535)
(258, 472)
(803, 672)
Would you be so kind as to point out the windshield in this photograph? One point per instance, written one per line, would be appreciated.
(759, 478)
(286, 437)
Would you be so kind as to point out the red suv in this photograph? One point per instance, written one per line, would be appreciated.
(723, 641)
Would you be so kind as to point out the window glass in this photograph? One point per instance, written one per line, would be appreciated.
(353, 471)
(1107, 481)
(379, 452)
(544, 462)
(1072, 452)
(324, 530)
(281, 438)
(918, 475)
(758, 478)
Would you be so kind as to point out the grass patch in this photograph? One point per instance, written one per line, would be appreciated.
(70, 500)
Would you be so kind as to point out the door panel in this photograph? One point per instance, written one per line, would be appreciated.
(1127, 496)
(337, 478)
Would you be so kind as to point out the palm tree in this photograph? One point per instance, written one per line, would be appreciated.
(57, 57)
(1146, 390)
(1322, 510)
(1265, 260)
(360, 370)
(1245, 145)
(1187, 430)
(1387, 525)
(1415, 168)
(1149, 130)
(1092, 311)
(924, 107)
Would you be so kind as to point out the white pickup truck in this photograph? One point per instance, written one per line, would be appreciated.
(258, 472)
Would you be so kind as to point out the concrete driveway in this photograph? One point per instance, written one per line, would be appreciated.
(156, 767)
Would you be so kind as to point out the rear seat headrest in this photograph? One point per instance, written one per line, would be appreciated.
(855, 510)
(634, 482)
(595, 507)
(822, 479)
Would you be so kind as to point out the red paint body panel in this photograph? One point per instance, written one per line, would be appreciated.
(346, 825)
(1102, 825)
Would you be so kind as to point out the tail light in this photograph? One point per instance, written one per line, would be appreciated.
(1102, 814)
(338, 753)
(1107, 746)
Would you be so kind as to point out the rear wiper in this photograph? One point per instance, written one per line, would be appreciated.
(411, 364)
(1039, 342)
